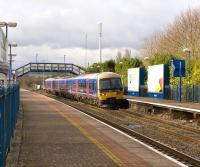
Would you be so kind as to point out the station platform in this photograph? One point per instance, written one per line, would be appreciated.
(163, 103)
(55, 134)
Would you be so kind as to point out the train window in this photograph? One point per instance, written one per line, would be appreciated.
(110, 84)
(74, 86)
(69, 85)
(62, 85)
(84, 86)
(116, 83)
(95, 87)
(104, 84)
(54, 84)
(91, 86)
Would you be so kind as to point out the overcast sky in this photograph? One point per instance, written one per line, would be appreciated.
(53, 28)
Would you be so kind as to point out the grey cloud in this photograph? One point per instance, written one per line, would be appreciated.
(62, 24)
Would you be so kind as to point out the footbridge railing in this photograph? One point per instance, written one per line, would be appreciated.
(49, 67)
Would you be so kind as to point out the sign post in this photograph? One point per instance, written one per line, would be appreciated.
(179, 71)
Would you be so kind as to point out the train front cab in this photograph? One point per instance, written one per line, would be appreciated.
(110, 91)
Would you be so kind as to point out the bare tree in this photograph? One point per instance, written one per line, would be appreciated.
(118, 57)
(183, 32)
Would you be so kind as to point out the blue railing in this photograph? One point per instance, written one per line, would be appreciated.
(9, 107)
(189, 93)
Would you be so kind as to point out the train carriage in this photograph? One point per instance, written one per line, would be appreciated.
(49, 85)
(101, 89)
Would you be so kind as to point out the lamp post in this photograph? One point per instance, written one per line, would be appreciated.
(7, 24)
(86, 50)
(187, 50)
(65, 64)
(43, 74)
(64, 58)
(10, 61)
(36, 58)
(100, 41)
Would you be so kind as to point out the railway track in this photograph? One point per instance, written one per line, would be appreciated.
(188, 135)
(186, 159)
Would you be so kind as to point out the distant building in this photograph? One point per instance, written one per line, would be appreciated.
(3, 58)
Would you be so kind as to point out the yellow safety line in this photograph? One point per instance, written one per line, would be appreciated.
(91, 138)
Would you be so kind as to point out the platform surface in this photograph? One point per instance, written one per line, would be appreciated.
(57, 135)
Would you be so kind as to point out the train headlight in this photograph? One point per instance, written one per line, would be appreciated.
(102, 94)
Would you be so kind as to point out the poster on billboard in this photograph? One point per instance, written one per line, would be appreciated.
(155, 78)
(133, 79)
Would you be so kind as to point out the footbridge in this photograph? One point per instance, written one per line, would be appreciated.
(49, 68)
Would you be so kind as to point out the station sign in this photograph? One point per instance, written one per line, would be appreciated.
(178, 68)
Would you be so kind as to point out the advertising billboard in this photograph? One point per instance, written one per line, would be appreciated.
(133, 79)
(156, 78)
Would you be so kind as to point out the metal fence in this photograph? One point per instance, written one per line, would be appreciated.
(188, 93)
(9, 107)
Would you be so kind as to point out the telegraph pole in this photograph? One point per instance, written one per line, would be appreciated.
(100, 41)
(86, 50)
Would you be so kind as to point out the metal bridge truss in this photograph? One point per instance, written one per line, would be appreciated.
(49, 67)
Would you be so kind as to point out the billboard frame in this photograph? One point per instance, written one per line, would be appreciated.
(166, 73)
(140, 80)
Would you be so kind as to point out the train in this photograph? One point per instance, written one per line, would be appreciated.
(101, 89)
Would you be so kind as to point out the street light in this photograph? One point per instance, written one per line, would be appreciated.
(187, 50)
(100, 41)
(64, 58)
(7, 24)
(36, 58)
(10, 62)
(86, 50)
(65, 64)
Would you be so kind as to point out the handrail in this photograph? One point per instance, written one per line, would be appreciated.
(49, 67)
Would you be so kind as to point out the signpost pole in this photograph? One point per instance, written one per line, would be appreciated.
(180, 83)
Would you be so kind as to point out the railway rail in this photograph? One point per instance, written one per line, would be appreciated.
(187, 134)
(182, 157)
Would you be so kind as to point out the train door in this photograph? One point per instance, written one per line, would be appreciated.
(87, 88)
(59, 87)
(65, 86)
(76, 87)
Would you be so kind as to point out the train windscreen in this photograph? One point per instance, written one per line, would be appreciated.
(113, 84)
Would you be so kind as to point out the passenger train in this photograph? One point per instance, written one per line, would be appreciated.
(101, 89)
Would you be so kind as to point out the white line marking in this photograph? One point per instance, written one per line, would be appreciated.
(166, 105)
(132, 138)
